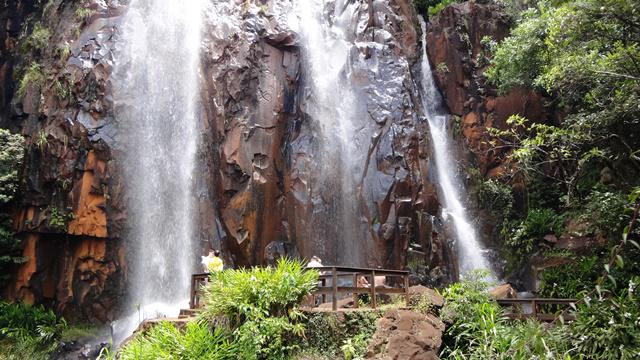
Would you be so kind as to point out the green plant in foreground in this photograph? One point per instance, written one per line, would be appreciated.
(28, 332)
(165, 341)
(261, 307)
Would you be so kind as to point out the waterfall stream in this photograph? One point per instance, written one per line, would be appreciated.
(327, 41)
(156, 97)
(470, 253)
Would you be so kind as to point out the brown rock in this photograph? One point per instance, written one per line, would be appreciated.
(504, 291)
(418, 292)
(404, 334)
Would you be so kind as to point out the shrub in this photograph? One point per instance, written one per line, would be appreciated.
(165, 341)
(523, 237)
(260, 305)
(604, 211)
(568, 281)
(335, 335)
(608, 328)
(28, 332)
(495, 197)
(478, 329)
(11, 158)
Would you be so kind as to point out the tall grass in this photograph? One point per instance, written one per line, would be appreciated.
(165, 341)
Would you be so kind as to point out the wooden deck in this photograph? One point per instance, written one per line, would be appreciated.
(353, 274)
(542, 309)
(333, 273)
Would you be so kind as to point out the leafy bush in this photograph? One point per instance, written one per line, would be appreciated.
(344, 334)
(28, 332)
(260, 305)
(608, 328)
(83, 14)
(165, 341)
(523, 237)
(495, 197)
(478, 329)
(11, 158)
(568, 281)
(604, 211)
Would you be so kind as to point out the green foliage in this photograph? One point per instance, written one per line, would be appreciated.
(604, 211)
(58, 219)
(478, 330)
(569, 280)
(336, 335)
(83, 14)
(261, 306)
(165, 341)
(584, 53)
(38, 40)
(28, 332)
(432, 7)
(11, 159)
(9, 249)
(609, 328)
(34, 76)
(523, 236)
(495, 197)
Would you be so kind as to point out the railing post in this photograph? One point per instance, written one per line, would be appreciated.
(405, 277)
(355, 293)
(534, 309)
(191, 295)
(334, 291)
(373, 289)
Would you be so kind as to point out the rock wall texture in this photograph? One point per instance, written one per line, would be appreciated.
(262, 169)
(69, 211)
(256, 183)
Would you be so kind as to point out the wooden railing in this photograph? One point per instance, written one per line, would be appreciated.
(354, 274)
(541, 309)
(197, 280)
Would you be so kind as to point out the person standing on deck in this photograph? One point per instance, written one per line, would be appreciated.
(213, 263)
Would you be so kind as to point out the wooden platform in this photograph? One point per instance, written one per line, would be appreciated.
(542, 309)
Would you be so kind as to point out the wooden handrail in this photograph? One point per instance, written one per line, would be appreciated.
(534, 303)
(335, 272)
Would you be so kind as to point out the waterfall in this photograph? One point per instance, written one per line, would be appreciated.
(327, 41)
(156, 98)
(470, 254)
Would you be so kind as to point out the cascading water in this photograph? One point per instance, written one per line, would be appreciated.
(327, 42)
(470, 254)
(156, 97)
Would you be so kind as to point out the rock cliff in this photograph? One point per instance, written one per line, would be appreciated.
(256, 182)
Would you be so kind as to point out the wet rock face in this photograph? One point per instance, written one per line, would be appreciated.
(263, 163)
(256, 182)
(69, 210)
(456, 52)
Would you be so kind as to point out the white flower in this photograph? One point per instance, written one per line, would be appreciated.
(583, 338)
(627, 315)
(611, 322)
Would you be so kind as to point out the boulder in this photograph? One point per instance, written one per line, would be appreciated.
(405, 334)
(504, 291)
(419, 292)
